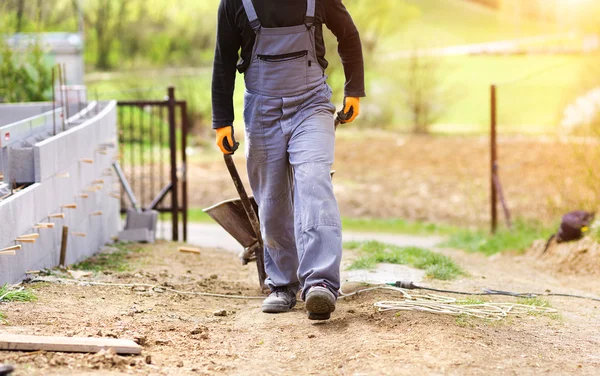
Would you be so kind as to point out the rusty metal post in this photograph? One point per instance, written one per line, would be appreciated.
(493, 161)
(173, 147)
(62, 97)
(66, 92)
(53, 102)
(184, 192)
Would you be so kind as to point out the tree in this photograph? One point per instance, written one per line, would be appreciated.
(423, 92)
(105, 19)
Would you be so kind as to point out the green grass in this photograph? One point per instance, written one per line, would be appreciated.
(436, 266)
(518, 239)
(396, 226)
(2, 317)
(24, 295)
(388, 226)
(118, 261)
(472, 301)
(535, 302)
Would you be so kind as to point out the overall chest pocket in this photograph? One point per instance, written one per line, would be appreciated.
(284, 73)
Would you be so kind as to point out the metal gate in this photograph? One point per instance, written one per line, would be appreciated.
(152, 141)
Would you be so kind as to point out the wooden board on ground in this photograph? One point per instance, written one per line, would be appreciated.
(18, 342)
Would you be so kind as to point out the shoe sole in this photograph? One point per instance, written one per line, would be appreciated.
(319, 305)
(275, 308)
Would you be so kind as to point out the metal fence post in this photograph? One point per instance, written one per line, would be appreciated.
(173, 147)
(184, 193)
(494, 158)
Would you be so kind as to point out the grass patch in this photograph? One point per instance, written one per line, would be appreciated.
(389, 226)
(436, 266)
(118, 261)
(535, 302)
(471, 301)
(396, 226)
(518, 239)
(24, 295)
(195, 215)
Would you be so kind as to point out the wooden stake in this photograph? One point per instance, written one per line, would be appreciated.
(12, 248)
(80, 234)
(29, 236)
(20, 240)
(8, 253)
(57, 215)
(189, 250)
(63, 175)
(99, 212)
(63, 245)
(87, 160)
(69, 206)
(84, 195)
(99, 181)
(44, 225)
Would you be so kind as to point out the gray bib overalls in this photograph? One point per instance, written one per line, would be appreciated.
(290, 137)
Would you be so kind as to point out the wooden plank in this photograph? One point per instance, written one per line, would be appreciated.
(189, 250)
(17, 342)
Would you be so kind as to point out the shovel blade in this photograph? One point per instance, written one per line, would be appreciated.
(230, 215)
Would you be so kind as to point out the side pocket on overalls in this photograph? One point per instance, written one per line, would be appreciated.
(255, 143)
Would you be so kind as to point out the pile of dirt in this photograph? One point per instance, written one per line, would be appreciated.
(579, 257)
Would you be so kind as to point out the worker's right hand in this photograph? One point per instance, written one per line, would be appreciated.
(226, 140)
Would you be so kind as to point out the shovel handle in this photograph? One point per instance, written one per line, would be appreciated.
(237, 181)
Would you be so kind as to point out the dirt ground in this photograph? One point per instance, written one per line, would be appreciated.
(182, 336)
(441, 178)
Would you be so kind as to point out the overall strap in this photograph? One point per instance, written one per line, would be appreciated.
(309, 19)
(251, 13)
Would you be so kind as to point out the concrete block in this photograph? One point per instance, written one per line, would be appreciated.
(141, 235)
(141, 219)
(21, 164)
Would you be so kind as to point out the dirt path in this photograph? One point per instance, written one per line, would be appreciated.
(184, 337)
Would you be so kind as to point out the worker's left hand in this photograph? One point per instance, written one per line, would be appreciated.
(351, 110)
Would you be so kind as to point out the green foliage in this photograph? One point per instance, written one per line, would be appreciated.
(9, 295)
(436, 265)
(517, 239)
(24, 76)
(116, 261)
(2, 317)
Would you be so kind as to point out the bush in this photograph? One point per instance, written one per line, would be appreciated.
(24, 76)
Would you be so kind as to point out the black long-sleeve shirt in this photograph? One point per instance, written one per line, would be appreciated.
(234, 32)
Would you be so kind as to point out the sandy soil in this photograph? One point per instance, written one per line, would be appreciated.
(182, 336)
(440, 179)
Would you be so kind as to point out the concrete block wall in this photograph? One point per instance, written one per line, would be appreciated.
(13, 112)
(62, 177)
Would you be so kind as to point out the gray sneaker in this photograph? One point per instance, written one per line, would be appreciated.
(320, 302)
(281, 299)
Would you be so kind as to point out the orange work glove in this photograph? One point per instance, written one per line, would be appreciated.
(226, 140)
(350, 111)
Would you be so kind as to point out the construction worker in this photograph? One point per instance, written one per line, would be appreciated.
(290, 135)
